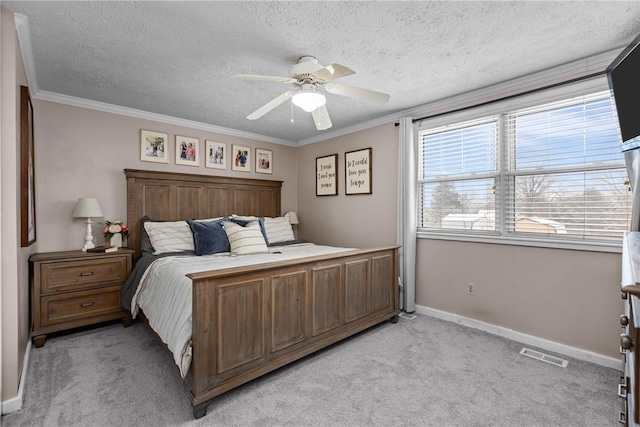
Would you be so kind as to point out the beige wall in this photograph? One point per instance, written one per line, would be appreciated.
(82, 153)
(24, 327)
(357, 220)
(14, 276)
(570, 297)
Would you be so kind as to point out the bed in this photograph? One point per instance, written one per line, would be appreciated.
(248, 320)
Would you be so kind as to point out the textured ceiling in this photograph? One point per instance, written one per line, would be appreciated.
(176, 58)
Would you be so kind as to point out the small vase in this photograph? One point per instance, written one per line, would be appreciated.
(116, 240)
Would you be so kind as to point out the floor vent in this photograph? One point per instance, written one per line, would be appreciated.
(407, 316)
(544, 357)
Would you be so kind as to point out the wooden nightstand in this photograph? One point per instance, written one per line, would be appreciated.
(75, 288)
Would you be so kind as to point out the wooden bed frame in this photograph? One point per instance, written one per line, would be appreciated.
(249, 321)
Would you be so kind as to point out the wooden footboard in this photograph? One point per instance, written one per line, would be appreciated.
(250, 321)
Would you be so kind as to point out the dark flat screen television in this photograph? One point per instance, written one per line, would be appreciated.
(624, 82)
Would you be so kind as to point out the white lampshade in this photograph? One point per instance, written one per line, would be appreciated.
(293, 218)
(309, 99)
(88, 208)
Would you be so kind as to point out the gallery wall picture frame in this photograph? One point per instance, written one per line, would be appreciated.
(27, 171)
(327, 175)
(187, 151)
(215, 155)
(358, 177)
(153, 146)
(240, 158)
(264, 161)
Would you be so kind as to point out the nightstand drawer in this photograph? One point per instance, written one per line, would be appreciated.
(72, 306)
(81, 274)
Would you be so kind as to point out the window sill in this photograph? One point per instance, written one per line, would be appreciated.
(612, 247)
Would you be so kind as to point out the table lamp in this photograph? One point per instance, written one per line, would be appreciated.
(293, 218)
(88, 208)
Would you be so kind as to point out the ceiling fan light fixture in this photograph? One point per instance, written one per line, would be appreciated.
(309, 99)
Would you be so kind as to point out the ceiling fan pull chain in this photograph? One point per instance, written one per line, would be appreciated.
(291, 111)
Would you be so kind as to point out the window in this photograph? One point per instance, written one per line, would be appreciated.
(553, 172)
(459, 170)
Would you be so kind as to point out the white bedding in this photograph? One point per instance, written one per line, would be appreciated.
(164, 293)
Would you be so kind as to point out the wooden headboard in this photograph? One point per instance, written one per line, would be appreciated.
(179, 196)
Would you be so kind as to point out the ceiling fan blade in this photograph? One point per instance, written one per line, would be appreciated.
(321, 118)
(332, 72)
(264, 78)
(270, 105)
(358, 93)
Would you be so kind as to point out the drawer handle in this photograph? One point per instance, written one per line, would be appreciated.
(87, 304)
(624, 320)
(626, 342)
(91, 273)
(622, 391)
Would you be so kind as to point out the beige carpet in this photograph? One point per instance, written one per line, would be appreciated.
(423, 372)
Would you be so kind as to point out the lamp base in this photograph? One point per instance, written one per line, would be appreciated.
(88, 238)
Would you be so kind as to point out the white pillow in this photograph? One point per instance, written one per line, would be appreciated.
(244, 218)
(245, 240)
(169, 236)
(278, 229)
(211, 219)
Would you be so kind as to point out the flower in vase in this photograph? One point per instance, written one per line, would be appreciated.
(115, 227)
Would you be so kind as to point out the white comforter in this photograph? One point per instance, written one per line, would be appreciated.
(164, 293)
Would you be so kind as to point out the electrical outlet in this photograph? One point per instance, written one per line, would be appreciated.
(471, 288)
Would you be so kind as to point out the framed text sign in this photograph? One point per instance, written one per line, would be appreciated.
(357, 171)
(327, 175)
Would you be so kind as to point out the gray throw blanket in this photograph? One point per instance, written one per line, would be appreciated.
(131, 285)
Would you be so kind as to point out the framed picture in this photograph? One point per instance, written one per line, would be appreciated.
(327, 175)
(153, 146)
(241, 158)
(187, 151)
(357, 172)
(264, 161)
(215, 155)
(27, 167)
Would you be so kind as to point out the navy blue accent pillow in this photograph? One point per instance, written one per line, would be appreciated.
(209, 237)
(244, 222)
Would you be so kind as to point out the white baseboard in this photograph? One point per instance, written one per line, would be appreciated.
(15, 404)
(576, 353)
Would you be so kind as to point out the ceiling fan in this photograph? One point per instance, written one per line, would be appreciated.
(309, 78)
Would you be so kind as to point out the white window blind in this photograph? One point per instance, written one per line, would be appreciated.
(457, 173)
(562, 175)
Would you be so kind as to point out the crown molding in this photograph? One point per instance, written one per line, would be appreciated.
(556, 75)
(24, 39)
(351, 129)
(564, 72)
(549, 76)
(131, 112)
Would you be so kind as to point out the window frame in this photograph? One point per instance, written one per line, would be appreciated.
(503, 174)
